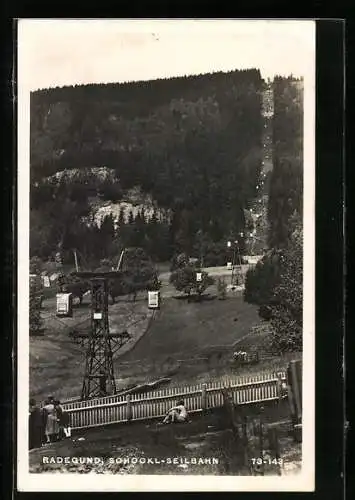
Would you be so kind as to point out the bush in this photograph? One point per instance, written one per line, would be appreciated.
(222, 288)
(179, 261)
(138, 274)
(276, 285)
(185, 280)
(287, 304)
(261, 280)
(35, 265)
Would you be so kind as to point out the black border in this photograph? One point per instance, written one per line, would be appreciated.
(329, 259)
(8, 309)
(349, 244)
(329, 269)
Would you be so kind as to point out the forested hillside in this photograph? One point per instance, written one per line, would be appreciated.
(193, 145)
(276, 283)
(286, 181)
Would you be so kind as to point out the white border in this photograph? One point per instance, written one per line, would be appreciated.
(305, 480)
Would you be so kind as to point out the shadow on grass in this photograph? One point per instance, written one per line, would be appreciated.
(195, 298)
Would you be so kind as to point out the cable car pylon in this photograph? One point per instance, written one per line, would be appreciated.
(99, 378)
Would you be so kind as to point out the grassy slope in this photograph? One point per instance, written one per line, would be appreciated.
(182, 329)
(188, 342)
(181, 343)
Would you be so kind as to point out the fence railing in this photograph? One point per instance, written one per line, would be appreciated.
(154, 404)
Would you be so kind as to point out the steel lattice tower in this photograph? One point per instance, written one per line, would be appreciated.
(99, 377)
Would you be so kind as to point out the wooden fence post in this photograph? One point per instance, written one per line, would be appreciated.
(230, 408)
(245, 441)
(204, 397)
(294, 382)
(238, 425)
(261, 440)
(129, 407)
(274, 447)
(279, 386)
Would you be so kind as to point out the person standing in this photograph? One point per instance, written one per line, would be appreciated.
(35, 427)
(63, 420)
(52, 424)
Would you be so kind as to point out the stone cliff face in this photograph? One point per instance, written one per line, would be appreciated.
(127, 207)
(133, 200)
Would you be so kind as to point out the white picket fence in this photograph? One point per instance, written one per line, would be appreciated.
(155, 404)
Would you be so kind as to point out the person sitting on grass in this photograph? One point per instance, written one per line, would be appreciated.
(176, 414)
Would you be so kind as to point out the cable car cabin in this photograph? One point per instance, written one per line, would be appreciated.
(154, 300)
(65, 305)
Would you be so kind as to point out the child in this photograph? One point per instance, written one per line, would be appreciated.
(64, 422)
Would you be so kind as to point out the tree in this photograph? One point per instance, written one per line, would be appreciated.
(222, 288)
(185, 280)
(286, 179)
(131, 217)
(202, 285)
(121, 218)
(261, 280)
(42, 242)
(154, 284)
(287, 304)
(183, 237)
(138, 274)
(107, 231)
(35, 265)
(137, 236)
(212, 253)
(35, 320)
(276, 285)
(179, 261)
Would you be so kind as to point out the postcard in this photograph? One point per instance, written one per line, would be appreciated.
(166, 181)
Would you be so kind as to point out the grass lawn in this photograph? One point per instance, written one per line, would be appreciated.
(192, 343)
(57, 363)
(180, 330)
(187, 342)
(184, 329)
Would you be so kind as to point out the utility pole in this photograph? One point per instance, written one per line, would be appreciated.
(236, 248)
(99, 377)
(233, 265)
(120, 260)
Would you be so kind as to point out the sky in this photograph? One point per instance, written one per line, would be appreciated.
(55, 53)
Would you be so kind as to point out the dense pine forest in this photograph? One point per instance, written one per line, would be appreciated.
(286, 182)
(276, 283)
(192, 144)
